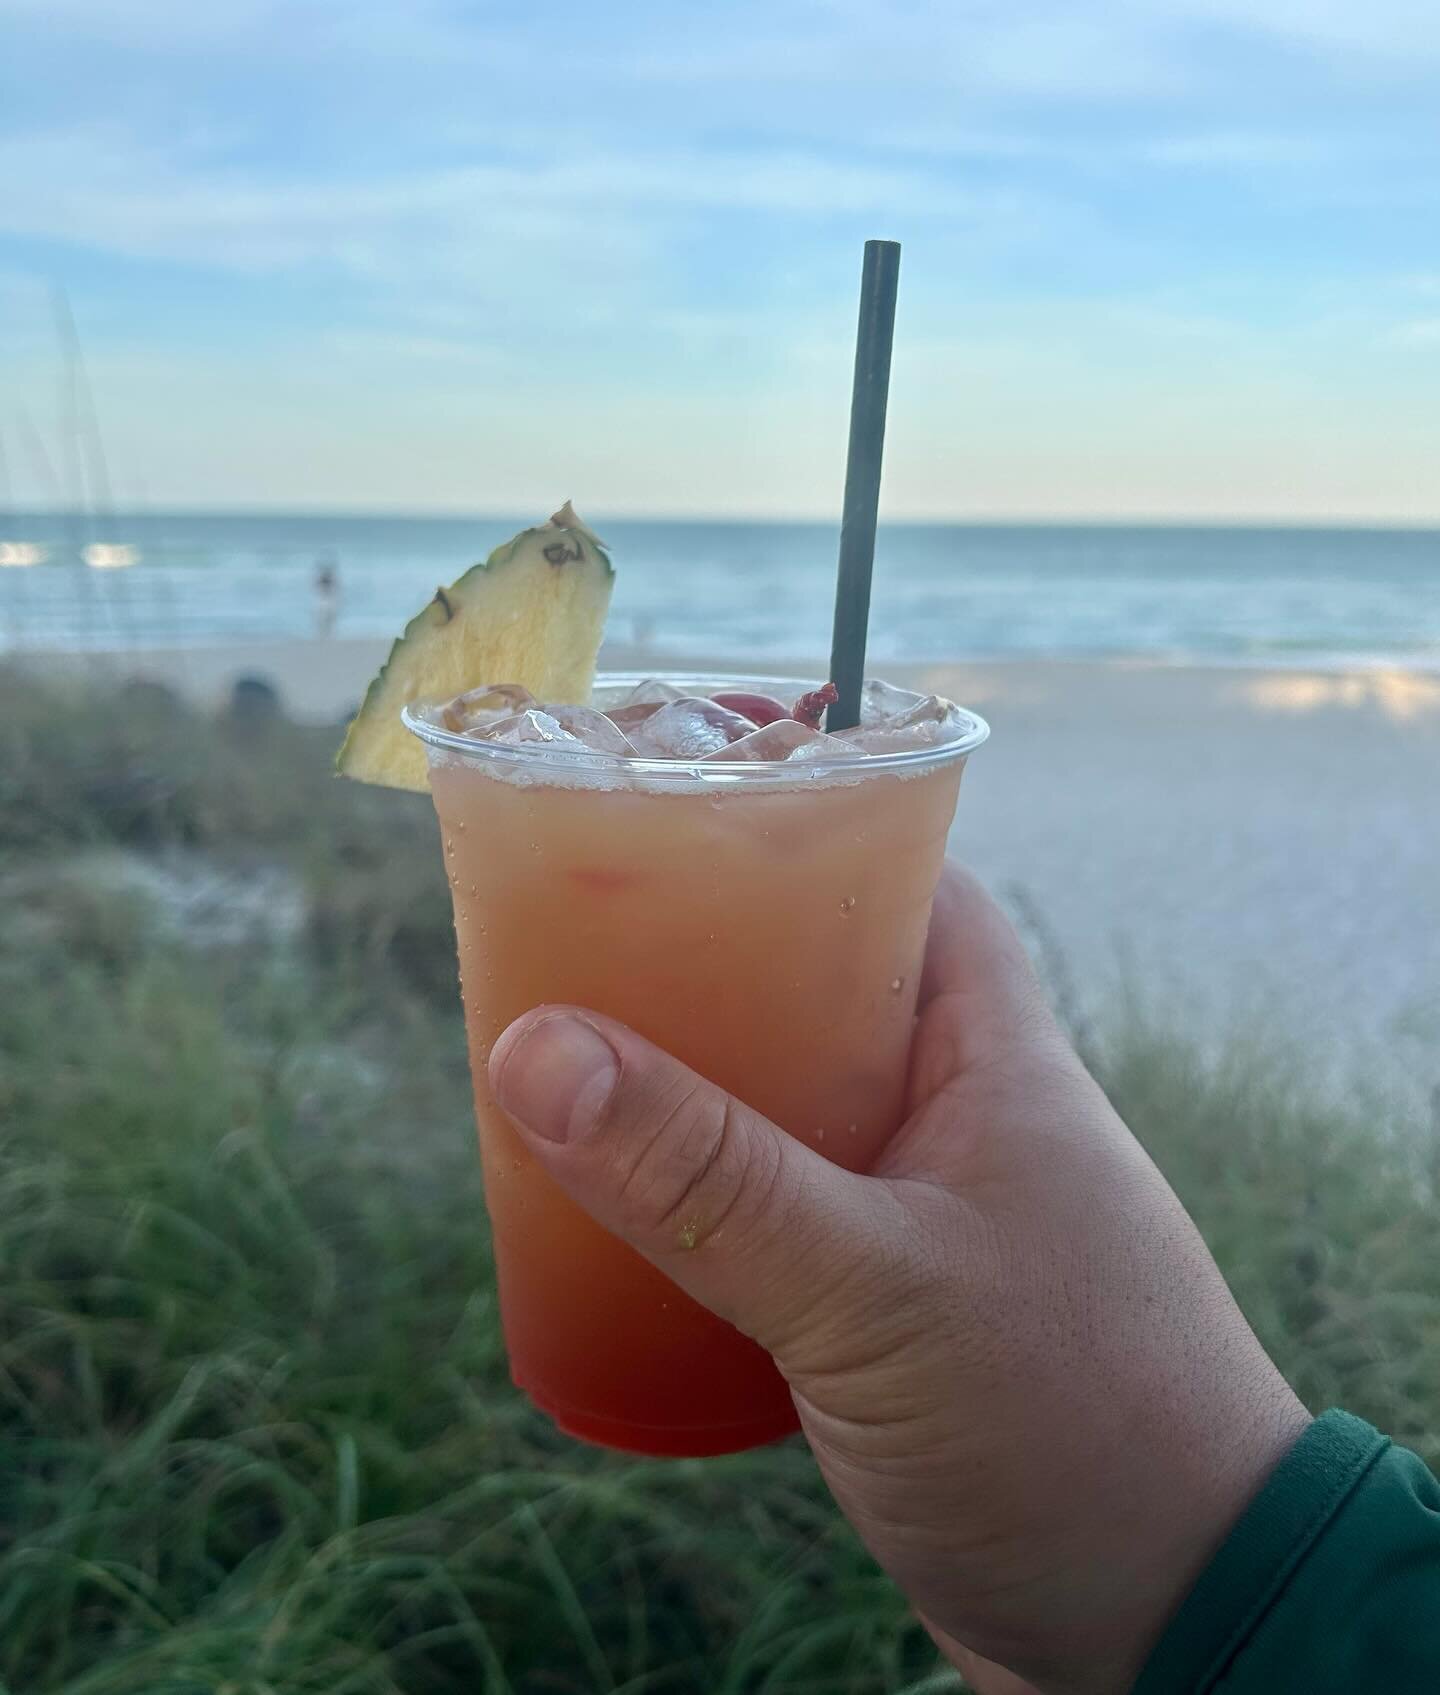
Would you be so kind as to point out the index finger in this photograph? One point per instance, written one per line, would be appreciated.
(972, 947)
(978, 993)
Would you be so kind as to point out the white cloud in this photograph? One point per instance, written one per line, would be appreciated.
(1418, 332)
(1403, 32)
(97, 188)
(158, 26)
(980, 48)
(1140, 49)
(93, 187)
(943, 140)
(168, 27)
(1243, 149)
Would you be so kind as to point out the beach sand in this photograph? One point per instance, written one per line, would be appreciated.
(1235, 850)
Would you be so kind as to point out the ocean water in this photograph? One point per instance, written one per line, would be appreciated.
(1313, 597)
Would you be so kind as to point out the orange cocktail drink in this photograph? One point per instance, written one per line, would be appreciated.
(763, 922)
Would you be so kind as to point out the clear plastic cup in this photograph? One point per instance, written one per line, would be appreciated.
(763, 922)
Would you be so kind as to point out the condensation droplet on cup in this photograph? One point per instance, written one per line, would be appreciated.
(473, 891)
(896, 984)
(850, 1129)
(820, 1135)
(450, 845)
(461, 826)
(848, 904)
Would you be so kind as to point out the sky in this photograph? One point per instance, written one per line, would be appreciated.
(1162, 258)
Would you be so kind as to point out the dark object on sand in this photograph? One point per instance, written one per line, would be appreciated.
(254, 700)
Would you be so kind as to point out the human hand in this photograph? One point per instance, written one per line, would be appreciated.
(1015, 1360)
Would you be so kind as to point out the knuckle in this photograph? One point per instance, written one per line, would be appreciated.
(689, 1165)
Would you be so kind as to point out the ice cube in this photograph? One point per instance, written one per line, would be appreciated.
(568, 729)
(654, 691)
(488, 705)
(786, 739)
(627, 717)
(881, 701)
(928, 722)
(688, 728)
(593, 728)
(532, 725)
(642, 702)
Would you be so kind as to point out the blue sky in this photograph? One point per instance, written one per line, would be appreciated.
(1161, 259)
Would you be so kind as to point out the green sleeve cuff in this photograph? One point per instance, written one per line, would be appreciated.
(1329, 1584)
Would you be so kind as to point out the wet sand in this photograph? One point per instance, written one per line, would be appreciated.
(1236, 849)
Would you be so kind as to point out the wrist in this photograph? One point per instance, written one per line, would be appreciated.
(1204, 1517)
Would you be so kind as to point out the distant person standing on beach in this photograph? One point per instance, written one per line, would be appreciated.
(327, 597)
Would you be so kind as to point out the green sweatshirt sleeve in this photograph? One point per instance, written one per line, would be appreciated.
(1328, 1585)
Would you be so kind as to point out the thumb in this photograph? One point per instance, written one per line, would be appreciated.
(750, 1222)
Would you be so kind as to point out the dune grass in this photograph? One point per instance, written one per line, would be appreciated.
(255, 1430)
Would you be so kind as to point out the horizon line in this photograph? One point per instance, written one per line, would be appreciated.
(996, 520)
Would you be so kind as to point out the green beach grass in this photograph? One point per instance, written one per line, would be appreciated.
(256, 1434)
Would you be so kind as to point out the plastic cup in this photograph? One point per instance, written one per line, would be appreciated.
(765, 923)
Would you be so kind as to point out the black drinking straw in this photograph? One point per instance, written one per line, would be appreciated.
(873, 340)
